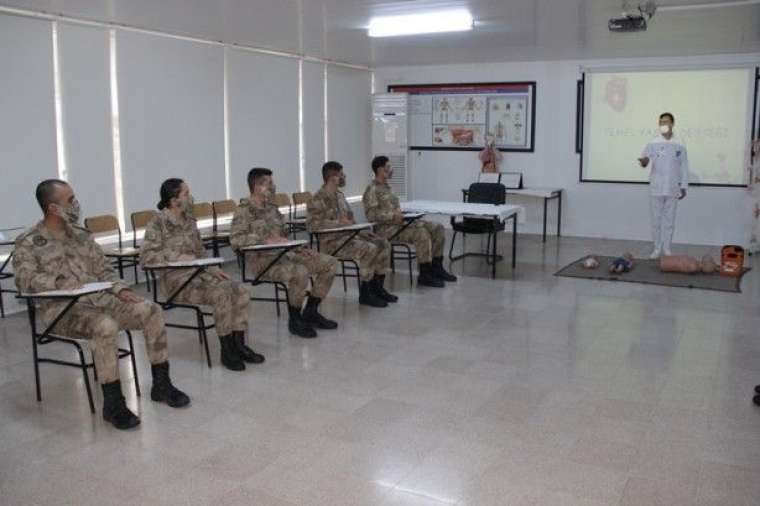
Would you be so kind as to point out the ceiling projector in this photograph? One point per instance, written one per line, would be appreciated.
(628, 23)
(633, 22)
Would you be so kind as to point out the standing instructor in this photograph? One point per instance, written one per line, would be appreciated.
(668, 181)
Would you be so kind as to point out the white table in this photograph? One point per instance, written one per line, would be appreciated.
(497, 213)
(545, 193)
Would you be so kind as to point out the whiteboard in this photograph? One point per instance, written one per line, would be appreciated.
(459, 116)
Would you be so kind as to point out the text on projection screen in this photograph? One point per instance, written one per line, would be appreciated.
(713, 112)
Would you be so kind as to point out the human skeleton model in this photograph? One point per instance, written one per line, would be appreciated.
(443, 110)
(754, 190)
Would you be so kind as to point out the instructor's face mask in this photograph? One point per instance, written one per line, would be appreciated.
(187, 204)
(665, 129)
(70, 214)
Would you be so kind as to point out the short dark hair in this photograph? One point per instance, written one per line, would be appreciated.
(330, 168)
(668, 115)
(45, 191)
(170, 189)
(255, 175)
(379, 161)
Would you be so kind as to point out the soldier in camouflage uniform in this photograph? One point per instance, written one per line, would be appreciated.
(258, 221)
(173, 236)
(56, 254)
(329, 209)
(382, 207)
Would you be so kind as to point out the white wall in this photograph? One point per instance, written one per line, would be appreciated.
(620, 211)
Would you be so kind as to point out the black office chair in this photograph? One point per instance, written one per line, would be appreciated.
(479, 193)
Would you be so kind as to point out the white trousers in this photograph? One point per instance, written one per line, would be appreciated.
(663, 221)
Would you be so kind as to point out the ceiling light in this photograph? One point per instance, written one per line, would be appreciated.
(459, 20)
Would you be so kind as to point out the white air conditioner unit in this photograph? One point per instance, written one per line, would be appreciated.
(389, 136)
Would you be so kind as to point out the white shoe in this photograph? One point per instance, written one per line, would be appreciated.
(655, 255)
(667, 253)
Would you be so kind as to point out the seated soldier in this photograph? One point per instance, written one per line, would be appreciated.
(382, 207)
(329, 209)
(258, 221)
(57, 254)
(173, 236)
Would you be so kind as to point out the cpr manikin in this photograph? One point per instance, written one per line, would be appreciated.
(687, 264)
(667, 160)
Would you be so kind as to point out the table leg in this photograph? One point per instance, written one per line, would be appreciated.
(559, 214)
(546, 204)
(514, 242)
(493, 254)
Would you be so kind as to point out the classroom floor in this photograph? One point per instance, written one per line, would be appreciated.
(525, 390)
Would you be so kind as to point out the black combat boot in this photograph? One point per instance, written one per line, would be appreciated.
(378, 283)
(115, 410)
(297, 325)
(230, 358)
(368, 297)
(312, 317)
(426, 277)
(246, 353)
(163, 390)
(439, 272)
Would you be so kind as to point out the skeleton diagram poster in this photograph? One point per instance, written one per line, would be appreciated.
(459, 116)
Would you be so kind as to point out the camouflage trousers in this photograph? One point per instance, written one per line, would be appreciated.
(100, 318)
(427, 237)
(229, 300)
(370, 251)
(295, 269)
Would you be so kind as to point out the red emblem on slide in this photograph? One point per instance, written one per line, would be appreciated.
(616, 93)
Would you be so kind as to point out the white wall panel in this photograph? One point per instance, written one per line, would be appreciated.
(263, 118)
(171, 105)
(83, 54)
(27, 117)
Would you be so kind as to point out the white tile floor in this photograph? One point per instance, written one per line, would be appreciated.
(526, 390)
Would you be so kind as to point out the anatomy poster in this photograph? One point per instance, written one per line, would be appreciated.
(459, 116)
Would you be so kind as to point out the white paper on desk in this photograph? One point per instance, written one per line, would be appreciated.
(199, 262)
(100, 286)
(287, 244)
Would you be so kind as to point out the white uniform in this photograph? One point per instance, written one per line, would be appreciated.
(669, 174)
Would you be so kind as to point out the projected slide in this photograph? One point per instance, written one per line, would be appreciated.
(713, 111)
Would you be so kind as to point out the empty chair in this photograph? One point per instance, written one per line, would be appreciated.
(212, 239)
(122, 257)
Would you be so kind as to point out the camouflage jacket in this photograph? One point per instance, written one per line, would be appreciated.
(40, 259)
(380, 206)
(325, 209)
(167, 237)
(253, 223)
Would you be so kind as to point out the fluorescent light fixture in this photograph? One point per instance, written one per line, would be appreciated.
(459, 20)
